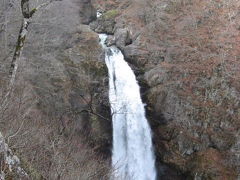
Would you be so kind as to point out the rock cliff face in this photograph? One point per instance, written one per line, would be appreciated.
(186, 56)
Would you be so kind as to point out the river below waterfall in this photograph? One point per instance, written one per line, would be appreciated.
(132, 154)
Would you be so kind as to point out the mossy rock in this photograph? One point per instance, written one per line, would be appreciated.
(111, 14)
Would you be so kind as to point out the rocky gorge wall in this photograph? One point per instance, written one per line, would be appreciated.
(186, 55)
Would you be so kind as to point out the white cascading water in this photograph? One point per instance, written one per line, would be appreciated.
(132, 155)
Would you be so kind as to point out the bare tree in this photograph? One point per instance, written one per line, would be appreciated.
(46, 148)
(8, 160)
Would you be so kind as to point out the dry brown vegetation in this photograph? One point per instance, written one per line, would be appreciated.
(189, 52)
(53, 137)
(48, 147)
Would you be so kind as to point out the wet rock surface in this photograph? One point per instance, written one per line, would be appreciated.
(105, 23)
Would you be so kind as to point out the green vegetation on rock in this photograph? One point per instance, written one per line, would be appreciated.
(111, 14)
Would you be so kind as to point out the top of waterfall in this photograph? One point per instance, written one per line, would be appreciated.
(99, 14)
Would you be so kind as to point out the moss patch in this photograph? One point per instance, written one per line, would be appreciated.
(111, 14)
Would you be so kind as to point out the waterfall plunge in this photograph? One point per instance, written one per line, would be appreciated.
(132, 155)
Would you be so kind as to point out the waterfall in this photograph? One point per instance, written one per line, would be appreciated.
(132, 155)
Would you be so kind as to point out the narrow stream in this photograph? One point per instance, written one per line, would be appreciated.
(132, 154)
